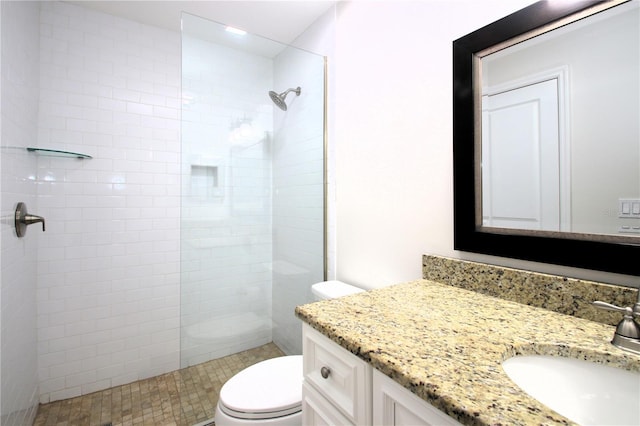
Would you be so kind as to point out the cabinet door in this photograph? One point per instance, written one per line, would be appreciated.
(395, 405)
(339, 376)
(317, 411)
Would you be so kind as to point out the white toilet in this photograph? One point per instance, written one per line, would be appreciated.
(270, 392)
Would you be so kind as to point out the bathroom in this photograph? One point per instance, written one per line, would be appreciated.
(390, 175)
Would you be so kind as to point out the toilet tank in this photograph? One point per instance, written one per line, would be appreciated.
(332, 289)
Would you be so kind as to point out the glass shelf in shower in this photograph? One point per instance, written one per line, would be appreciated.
(58, 153)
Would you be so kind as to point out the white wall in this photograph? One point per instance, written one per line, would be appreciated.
(108, 269)
(393, 137)
(20, 56)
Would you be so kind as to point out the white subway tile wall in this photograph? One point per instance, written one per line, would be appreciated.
(20, 76)
(108, 264)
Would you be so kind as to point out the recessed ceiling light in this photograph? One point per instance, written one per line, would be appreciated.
(237, 31)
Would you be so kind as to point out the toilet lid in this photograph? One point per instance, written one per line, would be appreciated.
(271, 388)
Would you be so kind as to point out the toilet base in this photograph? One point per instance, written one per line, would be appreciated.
(222, 419)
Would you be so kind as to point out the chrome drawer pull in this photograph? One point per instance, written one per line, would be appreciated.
(325, 372)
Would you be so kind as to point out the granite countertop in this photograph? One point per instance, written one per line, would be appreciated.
(446, 345)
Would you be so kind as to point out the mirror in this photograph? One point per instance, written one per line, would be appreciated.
(547, 136)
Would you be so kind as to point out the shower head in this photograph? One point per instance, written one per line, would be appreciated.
(278, 99)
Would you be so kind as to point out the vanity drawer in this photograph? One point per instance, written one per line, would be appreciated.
(339, 376)
(317, 411)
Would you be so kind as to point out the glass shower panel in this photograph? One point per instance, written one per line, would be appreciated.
(252, 228)
(298, 187)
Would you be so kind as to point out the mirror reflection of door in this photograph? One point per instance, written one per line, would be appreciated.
(521, 170)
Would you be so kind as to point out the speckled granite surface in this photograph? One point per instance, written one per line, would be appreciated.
(568, 296)
(446, 345)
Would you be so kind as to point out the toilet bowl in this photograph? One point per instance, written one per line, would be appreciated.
(270, 392)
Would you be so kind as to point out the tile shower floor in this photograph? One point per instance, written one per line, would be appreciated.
(184, 397)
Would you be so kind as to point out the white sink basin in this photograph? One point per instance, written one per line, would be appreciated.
(582, 391)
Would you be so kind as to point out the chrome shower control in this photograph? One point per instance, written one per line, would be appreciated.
(325, 372)
(23, 218)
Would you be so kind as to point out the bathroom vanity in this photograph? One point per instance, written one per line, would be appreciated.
(339, 388)
(430, 353)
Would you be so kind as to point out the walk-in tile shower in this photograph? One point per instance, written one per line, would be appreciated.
(194, 222)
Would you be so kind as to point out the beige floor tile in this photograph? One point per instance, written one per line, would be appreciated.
(181, 398)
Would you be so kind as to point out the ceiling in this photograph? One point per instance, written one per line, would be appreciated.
(278, 20)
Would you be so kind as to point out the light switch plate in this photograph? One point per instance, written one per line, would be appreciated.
(629, 207)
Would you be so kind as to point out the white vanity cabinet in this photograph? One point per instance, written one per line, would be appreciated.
(395, 405)
(341, 389)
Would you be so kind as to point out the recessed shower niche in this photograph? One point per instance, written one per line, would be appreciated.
(252, 202)
(206, 182)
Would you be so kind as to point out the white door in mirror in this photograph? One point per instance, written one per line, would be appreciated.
(521, 158)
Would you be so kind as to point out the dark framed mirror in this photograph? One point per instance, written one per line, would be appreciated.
(567, 241)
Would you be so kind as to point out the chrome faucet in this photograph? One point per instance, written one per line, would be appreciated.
(627, 335)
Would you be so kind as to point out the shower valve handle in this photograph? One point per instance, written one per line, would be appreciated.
(23, 218)
(31, 218)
